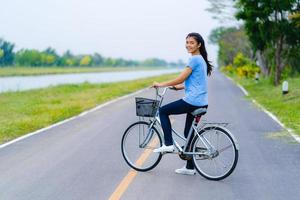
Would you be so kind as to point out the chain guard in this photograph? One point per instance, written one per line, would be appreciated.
(185, 156)
(200, 157)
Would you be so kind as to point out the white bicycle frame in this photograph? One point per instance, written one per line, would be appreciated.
(195, 127)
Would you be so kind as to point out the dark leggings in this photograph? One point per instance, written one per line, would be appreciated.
(176, 108)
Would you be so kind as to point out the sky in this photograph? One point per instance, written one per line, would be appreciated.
(131, 29)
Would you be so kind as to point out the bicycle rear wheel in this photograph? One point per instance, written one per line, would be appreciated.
(218, 162)
(137, 146)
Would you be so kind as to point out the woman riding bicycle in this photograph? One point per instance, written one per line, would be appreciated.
(194, 77)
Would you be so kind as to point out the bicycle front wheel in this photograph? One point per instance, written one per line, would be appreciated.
(216, 153)
(137, 146)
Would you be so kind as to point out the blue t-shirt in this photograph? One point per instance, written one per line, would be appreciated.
(196, 84)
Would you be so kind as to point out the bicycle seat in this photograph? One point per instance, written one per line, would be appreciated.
(199, 112)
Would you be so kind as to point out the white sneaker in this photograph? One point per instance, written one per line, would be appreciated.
(164, 149)
(185, 171)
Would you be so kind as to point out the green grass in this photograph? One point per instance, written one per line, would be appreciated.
(27, 111)
(27, 71)
(285, 107)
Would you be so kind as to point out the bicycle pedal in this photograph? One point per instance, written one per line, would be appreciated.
(169, 152)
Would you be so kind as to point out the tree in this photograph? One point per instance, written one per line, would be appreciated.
(222, 10)
(120, 62)
(268, 27)
(1, 53)
(7, 57)
(86, 61)
(154, 62)
(50, 51)
(29, 57)
(48, 59)
(231, 41)
(132, 63)
(68, 59)
(97, 59)
(296, 18)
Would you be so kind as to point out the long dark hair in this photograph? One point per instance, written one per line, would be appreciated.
(202, 49)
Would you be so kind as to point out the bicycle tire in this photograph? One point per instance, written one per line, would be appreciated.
(134, 160)
(199, 167)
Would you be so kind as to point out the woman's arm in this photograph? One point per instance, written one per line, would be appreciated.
(178, 87)
(179, 80)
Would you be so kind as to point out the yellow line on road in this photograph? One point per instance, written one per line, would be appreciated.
(127, 180)
(132, 173)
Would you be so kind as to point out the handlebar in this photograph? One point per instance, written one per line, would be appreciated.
(162, 93)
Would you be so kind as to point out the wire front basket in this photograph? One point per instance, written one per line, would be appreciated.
(146, 107)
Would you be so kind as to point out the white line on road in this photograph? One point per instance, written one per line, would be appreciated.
(241, 87)
(291, 132)
(296, 137)
(72, 118)
(129, 178)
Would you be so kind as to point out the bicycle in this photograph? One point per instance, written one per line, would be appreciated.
(213, 149)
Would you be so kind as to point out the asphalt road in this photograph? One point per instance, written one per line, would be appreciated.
(81, 159)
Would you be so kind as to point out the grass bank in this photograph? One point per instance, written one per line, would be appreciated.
(285, 107)
(31, 71)
(27, 111)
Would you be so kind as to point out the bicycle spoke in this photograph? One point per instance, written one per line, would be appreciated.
(146, 153)
(221, 162)
(141, 158)
(221, 158)
(152, 144)
(227, 147)
(217, 139)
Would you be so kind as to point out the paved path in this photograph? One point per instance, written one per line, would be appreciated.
(81, 159)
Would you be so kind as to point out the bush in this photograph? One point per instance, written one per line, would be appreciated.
(240, 60)
(287, 72)
(228, 69)
(248, 71)
(242, 66)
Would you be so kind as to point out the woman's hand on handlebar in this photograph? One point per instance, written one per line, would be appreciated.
(156, 85)
(172, 87)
